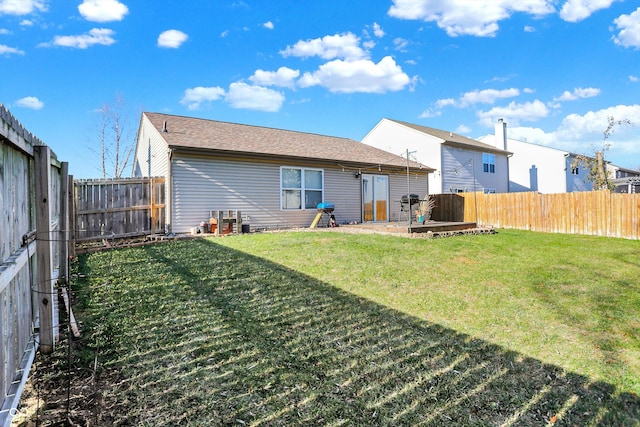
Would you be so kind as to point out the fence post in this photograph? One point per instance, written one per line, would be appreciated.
(71, 203)
(64, 222)
(44, 288)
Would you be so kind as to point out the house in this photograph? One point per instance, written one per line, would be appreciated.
(534, 167)
(624, 180)
(275, 177)
(461, 164)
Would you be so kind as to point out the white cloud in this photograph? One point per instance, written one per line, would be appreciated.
(4, 31)
(578, 93)
(377, 30)
(591, 125)
(358, 76)
(430, 113)
(172, 39)
(580, 133)
(6, 50)
(629, 26)
(633, 79)
(467, 17)
(103, 10)
(21, 7)
(251, 97)
(441, 103)
(268, 25)
(96, 36)
(463, 130)
(515, 113)
(26, 23)
(194, 97)
(283, 77)
(529, 29)
(30, 102)
(345, 46)
(578, 10)
(400, 44)
(486, 96)
(224, 34)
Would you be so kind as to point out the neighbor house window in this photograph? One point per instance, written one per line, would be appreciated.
(489, 163)
(301, 188)
(575, 170)
(489, 191)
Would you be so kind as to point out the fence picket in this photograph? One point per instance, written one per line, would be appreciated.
(596, 213)
(122, 207)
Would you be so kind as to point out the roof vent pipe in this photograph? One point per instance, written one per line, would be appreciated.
(164, 126)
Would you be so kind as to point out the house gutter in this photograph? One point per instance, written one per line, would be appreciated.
(306, 160)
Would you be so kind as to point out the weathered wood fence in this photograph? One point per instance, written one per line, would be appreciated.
(117, 208)
(34, 250)
(595, 213)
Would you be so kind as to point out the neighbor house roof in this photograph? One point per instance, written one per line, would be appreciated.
(453, 139)
(201, 134)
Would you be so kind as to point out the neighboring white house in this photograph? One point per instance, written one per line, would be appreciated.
(276, 177)
(461, 164)
(534, 167)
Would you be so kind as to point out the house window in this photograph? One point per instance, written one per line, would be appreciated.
(489, 163)
(489, 191)
(457, 190)
(301, 188)
(575, 170)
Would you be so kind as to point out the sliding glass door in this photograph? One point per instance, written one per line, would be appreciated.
(375, 197)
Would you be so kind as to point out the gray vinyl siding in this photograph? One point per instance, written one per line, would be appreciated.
(458, 173)
(398, 186)
(343, 189)
(201, 184)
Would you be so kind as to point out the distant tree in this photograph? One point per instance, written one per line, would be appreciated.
(115, 139)
(596, 164)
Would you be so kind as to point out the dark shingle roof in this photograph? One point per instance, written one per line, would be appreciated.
(202, 134)
(454, 139)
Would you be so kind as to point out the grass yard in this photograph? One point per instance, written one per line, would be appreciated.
(329, 328)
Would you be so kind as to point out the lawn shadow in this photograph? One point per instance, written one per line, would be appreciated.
(238, 340)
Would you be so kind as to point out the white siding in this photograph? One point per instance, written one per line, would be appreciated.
(540, 168)
(395, 138)
(158, 159)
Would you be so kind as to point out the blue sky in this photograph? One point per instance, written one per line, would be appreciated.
(554, 70)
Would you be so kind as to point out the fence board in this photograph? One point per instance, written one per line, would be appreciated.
(115, 208)
(20, 260)
(595, 213)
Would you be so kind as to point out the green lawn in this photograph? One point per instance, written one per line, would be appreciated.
(327, 328)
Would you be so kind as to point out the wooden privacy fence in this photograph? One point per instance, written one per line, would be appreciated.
(595, 213)
(34, 250)
(116, 208)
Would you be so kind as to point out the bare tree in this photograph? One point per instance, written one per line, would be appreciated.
(116, 138)
(596, 164)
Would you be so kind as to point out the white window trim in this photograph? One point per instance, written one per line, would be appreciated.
(489, 156)
(302, 187)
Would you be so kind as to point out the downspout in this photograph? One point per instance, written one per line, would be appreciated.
(169, 193)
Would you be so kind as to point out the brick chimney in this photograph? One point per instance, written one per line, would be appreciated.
(501, 135)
